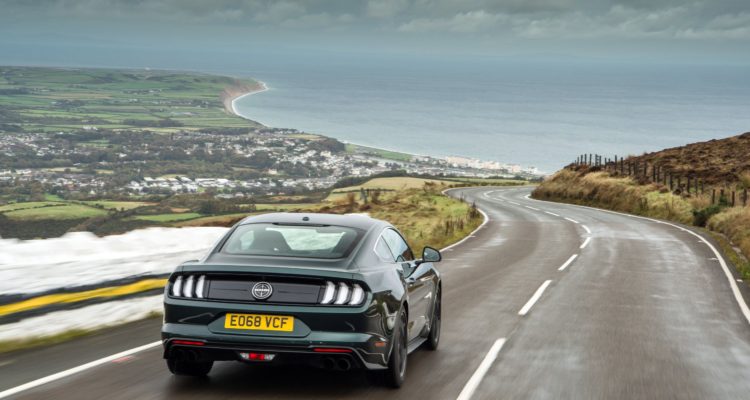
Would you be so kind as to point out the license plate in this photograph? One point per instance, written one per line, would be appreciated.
(259, 322)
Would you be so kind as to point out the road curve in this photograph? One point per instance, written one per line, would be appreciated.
(545, 301)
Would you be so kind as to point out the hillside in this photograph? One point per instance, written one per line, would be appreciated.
(656, 185)
(717, 162)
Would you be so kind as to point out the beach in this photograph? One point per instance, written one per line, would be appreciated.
(238, 91)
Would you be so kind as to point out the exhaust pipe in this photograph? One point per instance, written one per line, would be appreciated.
(191, 355)
(328, 363)
(344, 364)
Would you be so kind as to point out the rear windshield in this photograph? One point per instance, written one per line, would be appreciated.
(292, 240)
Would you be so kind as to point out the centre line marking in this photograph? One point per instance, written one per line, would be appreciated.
(551, 213)
(513, 202)
(586, 228)
(570, 260)
(527, 307)
(571, 220)
(586, 242)
(473, 383)
(532, 208)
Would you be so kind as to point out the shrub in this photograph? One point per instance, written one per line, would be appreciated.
(701, 216)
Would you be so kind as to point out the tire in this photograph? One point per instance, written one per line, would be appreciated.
(189, 368)
(394, 376)
(433, 339)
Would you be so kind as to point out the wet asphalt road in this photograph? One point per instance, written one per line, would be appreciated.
(643, 311)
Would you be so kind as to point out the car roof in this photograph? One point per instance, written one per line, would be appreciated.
(360, 221)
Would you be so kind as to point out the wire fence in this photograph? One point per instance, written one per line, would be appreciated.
(649, 172)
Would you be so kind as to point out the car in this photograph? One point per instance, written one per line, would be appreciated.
(333, 291)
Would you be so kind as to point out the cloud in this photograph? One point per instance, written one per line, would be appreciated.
(521, 19)
(472, 21)
(385, 8)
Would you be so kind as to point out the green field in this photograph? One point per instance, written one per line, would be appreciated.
(55, 99)
(169, 217)
(118, 205)
(387, 154)
(59, 211)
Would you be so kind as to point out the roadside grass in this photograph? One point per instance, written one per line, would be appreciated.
(286, 207)
(390, 184)
(58, 211)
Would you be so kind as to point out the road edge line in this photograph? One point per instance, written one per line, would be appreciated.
(72, 371)
(739, 299)
(473, 383)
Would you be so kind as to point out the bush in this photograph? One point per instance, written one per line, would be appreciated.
(701, 216)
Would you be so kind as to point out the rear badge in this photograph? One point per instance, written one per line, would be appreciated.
(262, 290)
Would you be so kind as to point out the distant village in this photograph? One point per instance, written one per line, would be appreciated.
(278, 162)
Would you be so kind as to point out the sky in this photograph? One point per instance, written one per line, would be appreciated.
(106, 32)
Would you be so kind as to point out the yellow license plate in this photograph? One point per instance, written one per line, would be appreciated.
(259, 322)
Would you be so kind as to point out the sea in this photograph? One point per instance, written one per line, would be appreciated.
(537, 112)
(539, 115)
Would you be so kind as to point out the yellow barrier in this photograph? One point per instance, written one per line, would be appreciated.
(114, 291)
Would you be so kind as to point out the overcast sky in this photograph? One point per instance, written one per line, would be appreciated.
(702, 31)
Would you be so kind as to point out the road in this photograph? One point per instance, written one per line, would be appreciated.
(644, 310)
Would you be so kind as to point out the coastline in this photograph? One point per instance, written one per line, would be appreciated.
(232, 94)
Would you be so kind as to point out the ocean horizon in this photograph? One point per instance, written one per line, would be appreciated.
(533, 116)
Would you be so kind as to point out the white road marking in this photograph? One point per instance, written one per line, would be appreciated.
(75, 370)
(532, 208)
(551, 213)
(586, 242)
(471, 235)
(527, 307)
(513, 202)
(570, 260)
(732, 284)
(473, 383)
(586, 228)
(572, 220)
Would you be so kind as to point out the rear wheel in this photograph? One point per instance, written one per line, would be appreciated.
(189, 368)
(433, 340)
(394, 375)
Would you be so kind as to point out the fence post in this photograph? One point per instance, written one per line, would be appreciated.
(671, 183)
(688, 185)
(744, 199)
(732, 198)
(713, 196)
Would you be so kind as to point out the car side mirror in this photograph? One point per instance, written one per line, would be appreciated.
(431, 255)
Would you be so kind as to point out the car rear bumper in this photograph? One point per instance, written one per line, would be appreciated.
(318, 348)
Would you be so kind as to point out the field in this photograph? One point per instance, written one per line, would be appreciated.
(118, 205)
(169, 217)
(56, 211)
(386, 154)
(51, 100)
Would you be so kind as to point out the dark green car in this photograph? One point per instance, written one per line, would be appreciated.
(333, 291)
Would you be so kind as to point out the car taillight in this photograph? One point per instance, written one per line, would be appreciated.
(343, 294)
(189, 286)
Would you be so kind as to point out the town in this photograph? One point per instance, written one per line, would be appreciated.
(226, 163)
